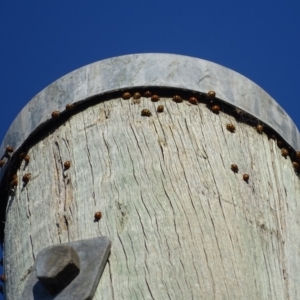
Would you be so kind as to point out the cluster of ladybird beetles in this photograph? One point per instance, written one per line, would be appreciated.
(213, 104)
(194, 99)
(25, 179)
(215, 108)
(160, 108)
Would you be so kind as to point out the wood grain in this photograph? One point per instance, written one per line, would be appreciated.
(182, 224)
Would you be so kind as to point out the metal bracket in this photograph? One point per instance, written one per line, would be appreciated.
(93, 254)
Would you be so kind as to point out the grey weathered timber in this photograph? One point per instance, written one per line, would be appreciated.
(164, 70)
(182, 224)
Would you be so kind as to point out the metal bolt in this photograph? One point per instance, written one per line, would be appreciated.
(56, 266)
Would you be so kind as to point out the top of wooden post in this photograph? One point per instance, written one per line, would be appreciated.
(153, 70)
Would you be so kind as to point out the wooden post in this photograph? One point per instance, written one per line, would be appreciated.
(184, 224)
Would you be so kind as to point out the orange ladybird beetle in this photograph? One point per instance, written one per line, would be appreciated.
(67, 164)
(9, 149)
(260, 129)
(160, 108)
(284, 152)
(280, 143)
(146, 113)
(136, 95)
(215, 109)
(26, 177)
(55, 114)
(147, 94)
(211, 95)
(126, 96)
(22, 155)
(177, 99)
(193, 100)
(98, 215)
(69, 106)
(296, 166)
(246, 177)
(230, 127)
(239, 111)
(14, 182)
(234, 168)
(155, 98)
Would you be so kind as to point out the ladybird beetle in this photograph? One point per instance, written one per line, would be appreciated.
(146, 113)
(230, 127)
(26, 177)
(296, 165)
(136, 95)
(260, 129)
(211, 95)
(126, 96)
(67, 164)
(284, 152)
(193, 100)
(9, 149)
(147, 94)
(280, 143)
(2, 278)
(215, 109)
(177, 99)
(55, 114)
(14, 182)
(239, 111)
(246, 177)
(98, 215)
(234, 168)
(2, 163)
(22, 155)
(160, 108)
(155, 98)
(69, 106)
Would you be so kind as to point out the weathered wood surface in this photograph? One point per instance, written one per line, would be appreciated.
(182, 224)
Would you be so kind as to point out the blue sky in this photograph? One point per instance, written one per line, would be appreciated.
(44, 40)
